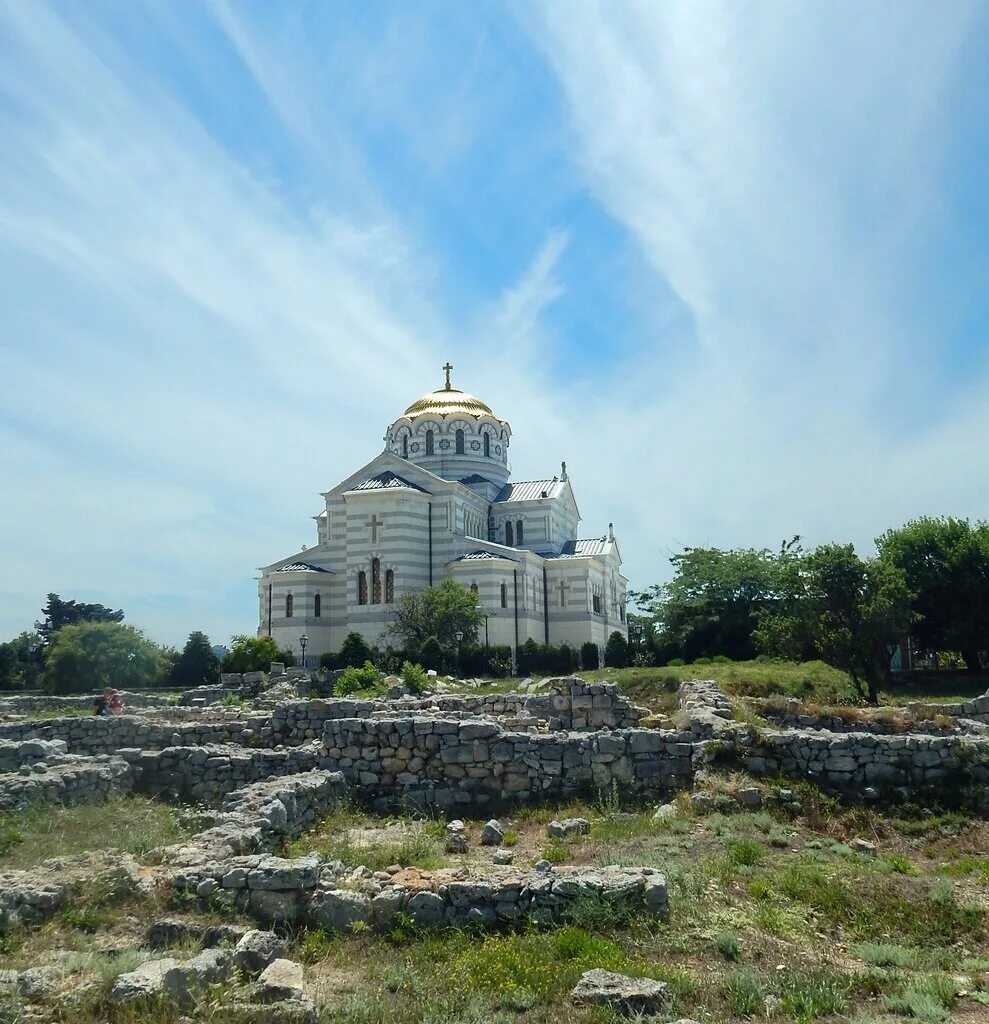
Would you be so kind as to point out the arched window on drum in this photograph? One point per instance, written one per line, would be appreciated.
(429, 442)
(460, 441)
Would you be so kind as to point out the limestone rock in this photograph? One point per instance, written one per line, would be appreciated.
(503, 857)
(621, 993)
(567, 827)
(339, 909)
(147, 980)
(492, 834)
(751, 796)
(280, 980)
(863, 846)
(256, 950)
(456, 838)
(187, 978)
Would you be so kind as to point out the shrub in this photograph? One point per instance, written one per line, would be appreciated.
(616, 651)
(676, 663)
(366, 681)
(589, 660)
(414, 677)
(431, 655)
(355, 652)
(743, 992)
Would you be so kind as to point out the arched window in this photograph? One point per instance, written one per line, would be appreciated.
(405, 446)
(487, 445)
(389, 586)
(460, 441)
(362, 587)
(317, 606)
(289, 606)
(429, 442)
(504, 595)
(518, 532)
(509, 535)
(473, 589)
(375, 581)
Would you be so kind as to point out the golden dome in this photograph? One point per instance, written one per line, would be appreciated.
(448, 402)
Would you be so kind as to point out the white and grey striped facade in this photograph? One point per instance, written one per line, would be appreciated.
(437, 503)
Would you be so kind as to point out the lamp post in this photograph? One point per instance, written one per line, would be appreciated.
(458, 636)
(303, 640)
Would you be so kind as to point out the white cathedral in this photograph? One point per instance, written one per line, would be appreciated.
(438, 503)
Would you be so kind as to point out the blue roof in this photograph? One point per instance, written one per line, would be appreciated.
(583, 548)
(387, 479)
(302, 567)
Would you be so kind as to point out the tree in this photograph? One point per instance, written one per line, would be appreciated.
(354, 651)
(712, 604)
(197, 664)
(589, 656)
(431, 654)
(58, 613)
(851, 611)
(90, 656)
(441, 611)
(21, 662)
(946, 565)
(616, 651)
(254, 654)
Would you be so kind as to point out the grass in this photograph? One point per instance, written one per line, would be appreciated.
(132, 824)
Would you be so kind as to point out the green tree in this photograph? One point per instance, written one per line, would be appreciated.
(851, 611)
(589, 656)
(21, 662)
(197, 665)
(354, 651)
(254, 654)
(441, 611)
(431, 654)
(713, 603)
(946, 565)
(616, 651)
(90, 656)
(58, 613)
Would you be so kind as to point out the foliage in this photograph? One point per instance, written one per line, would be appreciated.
(945, 563)
(91, 656)
(589, 657)
(493, 661)
(851, 610)
(197, 665)
(365, 681)
(414, 678)
(712, 604)
(431, 654)
(535, 658)
(354, 651)
(58, 613)
(254, 654)
(616, 651)
(441, 611)
(21, 662)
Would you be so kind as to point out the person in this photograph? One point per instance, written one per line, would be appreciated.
(101, 706)
(116, 702)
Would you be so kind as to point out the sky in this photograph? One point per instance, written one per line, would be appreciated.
(729, 261)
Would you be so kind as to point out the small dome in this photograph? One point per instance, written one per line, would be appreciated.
(448, 402)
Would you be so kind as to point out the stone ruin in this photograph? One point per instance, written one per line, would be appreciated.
(270, 769)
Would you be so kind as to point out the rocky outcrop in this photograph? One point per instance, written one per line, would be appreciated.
(619, 992)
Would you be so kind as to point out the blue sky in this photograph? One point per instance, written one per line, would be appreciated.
(729, 261)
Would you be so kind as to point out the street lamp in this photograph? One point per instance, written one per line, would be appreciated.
(458, 636)
(303, 640)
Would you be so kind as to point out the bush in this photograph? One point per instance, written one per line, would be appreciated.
(589, 660)
(355, 652)
(329, 661)
(414, 677)
(545, 659)
(366, 681)
(729, 945)
(431, 655)
(616, 651)
(486, 661)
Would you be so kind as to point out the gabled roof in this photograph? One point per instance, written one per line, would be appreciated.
(385, 480)
(301, 567)
(528, 490)
(583, 548)
(482, 556)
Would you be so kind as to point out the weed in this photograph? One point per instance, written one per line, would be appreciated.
(744, 852)
(885, 954)
(743, 992)
(509, 837)
(805, 997)
(729, 945)
(555, 853)
(315, 945)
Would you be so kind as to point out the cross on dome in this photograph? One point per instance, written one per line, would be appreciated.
(448, 366)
